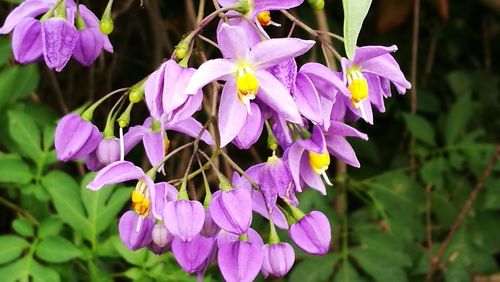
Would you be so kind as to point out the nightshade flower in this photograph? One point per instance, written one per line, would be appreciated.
(338, 146)
(308, 160)
(244, 71)
(161, 239)
(278, 259)
(368, 77)
(240, 261)
(59, 38)
(184, 218)
(231, 210)
(135, 238)
(312, 233)
(108, 151)
(75, 138)
(193, 256)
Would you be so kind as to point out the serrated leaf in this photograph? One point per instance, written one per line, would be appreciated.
(56, 249)
(14, 170)
(23, 227)
(25, 134)
(11, 247)
(65, 195)
(355, 12)
(420, 128)
(49, 227)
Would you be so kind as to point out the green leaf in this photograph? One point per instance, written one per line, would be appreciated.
(11, 248)
(23, 227)
(25, 134)
(26, 81)
(134, 273)
(5, 50)
(420, 128)
(457, 119)
(460, 83)
(314, 268)
(14, 170)
(378, 266)
(15, 271)
(56, 249)
(49, 227)
(43, 273)
(7, 82)
(133, 257)
(64, 192)
(355, 12)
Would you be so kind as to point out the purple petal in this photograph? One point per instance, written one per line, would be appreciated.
(312, 233)
(324, 79)
(75, 138)
(277, 97)
(375, 92)
(59, 39)
(294, 156)
(210, 228)
(271, 52)
(127, 228)
(176, 79)
(92, 163)
(186, 110)
(310, 177)
(192, 128)
(27, 41)
(259, 206)
(240, 261)
(161, 239)
(308, 98)
(26, 9)
(193, 255)
(278, 259)
(154, 146)
(316, 142)
(91, 21)
(366, 53)
(114, 173)
(133, 137)
(232, 42)
(108, 151)
(184, 219)
(209, 71)
(88, 46)
(251, 130)
(342, 150)
(232, 114)
(271, 5)
(164, 193)
(232, 210)
(386, 67)
(286, 73)
(153, 91)
(342, 129)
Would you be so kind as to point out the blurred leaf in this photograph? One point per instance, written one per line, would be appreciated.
(133, 257)
(314, 268)
(64, 193)
(5, 50)
(49, 227)
(347, 272)
(14, 170)
(98, 275)
(11, 247)
(26, 82)
(43, 273)
(16, 270)
(457, 119)
(25, 134)
(380, 266)
(420, 128)
(432, 172)
(23, 227)
(460, 83)
(134, 273)
(355, 12)
(56, 249)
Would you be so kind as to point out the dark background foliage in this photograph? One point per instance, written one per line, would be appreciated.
(389, 218)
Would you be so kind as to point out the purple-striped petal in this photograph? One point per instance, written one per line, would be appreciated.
(232, 42)
(271, 52)
(232, 210)
(251, 130)
(26, 9)
(240, 261)
(59, 39)
(114, 173)
(27, 41)
(127, 228)
(232, 114)
(209, 71)
(184, 218)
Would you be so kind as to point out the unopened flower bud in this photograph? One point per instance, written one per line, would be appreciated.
(317, 4)
(108, 150)
(161, 236)
(106, 26)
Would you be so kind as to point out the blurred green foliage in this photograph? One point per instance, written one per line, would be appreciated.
(53, 229)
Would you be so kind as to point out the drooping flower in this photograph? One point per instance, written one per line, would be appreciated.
(193, 256)
(231, 210)
(278, 259)
(75, 138)
(161, 239)
(184, 218)
(240, 261)
(338, 146)
(135, 232)
(108, 151)
(210, 228)
(368, 77)
(312, 233)
(308, 160)
(246, 77)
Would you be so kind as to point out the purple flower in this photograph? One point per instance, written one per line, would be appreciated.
(278, 259)
(135, 231)
(184, 218)
(240, 261)
(312, 233)
(232, 210)
(193, 256)
(276, 180)
(210, 228)
(75, 138)
(244, 71)
(338, 146)
(27, 41)
(368, 77)
(58, 41)
(108, 151)
(308, 160)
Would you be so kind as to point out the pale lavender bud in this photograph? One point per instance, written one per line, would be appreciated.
(135, 231)
(184, 219)
(108, 150)
(278, 259)
(75, 138)
(210, 228)
(312, 233)
(232, 210)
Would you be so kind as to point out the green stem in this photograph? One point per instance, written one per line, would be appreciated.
(88, 113)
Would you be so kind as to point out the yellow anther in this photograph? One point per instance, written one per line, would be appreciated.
(357, 85)
(246, 83)
(166, 143)
(137, 197)
(264, 18)
(319, 162)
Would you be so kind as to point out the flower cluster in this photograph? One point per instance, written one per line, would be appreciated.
(302, 109)
(63, 30)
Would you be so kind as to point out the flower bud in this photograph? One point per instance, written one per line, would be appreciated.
(193, 256)
(106, 26)
(210, 228)
(278, 259)
(317, 4)
(135, 231)
(312, 233)
(184, 219)
(232, 210)
(75, 138)
(108, 150)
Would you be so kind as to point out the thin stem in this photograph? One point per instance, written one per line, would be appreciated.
(18, 209)
(239, 170)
